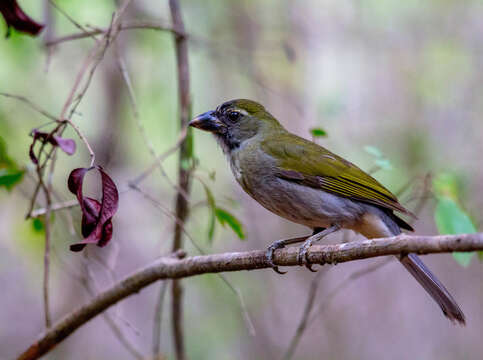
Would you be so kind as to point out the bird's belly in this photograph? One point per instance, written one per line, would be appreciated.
(305, 205)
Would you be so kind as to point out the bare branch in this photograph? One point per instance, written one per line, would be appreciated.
(184, 172)
(314, 285)
(350, 279)
(160, 158)
(84, 140)
(172, 268)
(31, 105)
(59, 206)
(127, 26)
(48, 232)
(158, 317)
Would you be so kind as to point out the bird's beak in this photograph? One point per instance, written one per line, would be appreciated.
(208, 122)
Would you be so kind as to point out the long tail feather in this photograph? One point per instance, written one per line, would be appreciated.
(416, 267)
(434, 287)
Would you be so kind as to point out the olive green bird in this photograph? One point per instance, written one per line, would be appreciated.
(309, 185)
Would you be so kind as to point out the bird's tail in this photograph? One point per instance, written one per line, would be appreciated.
(433, 287)
(423, 275)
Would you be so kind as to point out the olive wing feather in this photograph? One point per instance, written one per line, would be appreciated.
(309, 164)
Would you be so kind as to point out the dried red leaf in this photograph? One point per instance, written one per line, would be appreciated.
(96, 216)
(16, 18)
(67, 145)
(92, 208)
(32, 154)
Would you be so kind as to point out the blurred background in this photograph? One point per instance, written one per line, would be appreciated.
(396, 86)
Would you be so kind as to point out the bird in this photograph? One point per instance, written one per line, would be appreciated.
(307, 184)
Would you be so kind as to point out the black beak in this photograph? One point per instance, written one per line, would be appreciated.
(208, 122)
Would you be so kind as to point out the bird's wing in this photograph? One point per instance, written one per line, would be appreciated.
(306, 163)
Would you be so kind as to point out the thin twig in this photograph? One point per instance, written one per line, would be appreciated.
(170, 214)
(160, 158)
(84, 140)
(127, 26)
(86, 281)
(68, 17)
(49, 22)
(243, 307)
(31, 105)
(59, 206)
(314, 285)
(94, 57)
(47, 259)
(344, 284)
(158, 318)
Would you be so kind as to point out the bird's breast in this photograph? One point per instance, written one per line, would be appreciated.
(255, 172)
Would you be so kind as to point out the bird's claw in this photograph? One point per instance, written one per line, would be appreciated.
(302, 257)
(269, 255)
(275, 268)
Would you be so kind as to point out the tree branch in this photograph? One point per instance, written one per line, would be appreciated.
(172, 268)
(127, 26)
(184, 172)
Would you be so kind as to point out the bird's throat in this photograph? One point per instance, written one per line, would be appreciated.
(227, 143)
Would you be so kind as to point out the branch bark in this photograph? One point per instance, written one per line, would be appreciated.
(172, 268)
(184, 172)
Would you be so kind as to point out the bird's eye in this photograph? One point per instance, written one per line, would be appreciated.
(233, 115)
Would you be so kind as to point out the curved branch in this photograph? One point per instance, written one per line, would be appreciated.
(175, 268)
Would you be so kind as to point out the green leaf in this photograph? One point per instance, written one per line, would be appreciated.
(211, 204)
(463, 258)
(374, 151)
(383, 164)
(9, 177)
(224, 217)
(480, 255)
(5, 160)
(10, 174)
(318, 132)
(451, 220)
(38, 224)
(446, 184)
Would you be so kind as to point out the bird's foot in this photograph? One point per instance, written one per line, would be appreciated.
(279, 244)
(302, 257)
(318, 234)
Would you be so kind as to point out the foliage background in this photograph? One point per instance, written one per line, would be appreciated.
(405, 77)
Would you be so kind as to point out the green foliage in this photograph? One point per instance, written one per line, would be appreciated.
(225, 217)
(384, 164)
(450, 218)
(10, 174)
(372, 150)
(212, 206)
(318, 132)
(10, 177)
(380, 160)
(38, 225)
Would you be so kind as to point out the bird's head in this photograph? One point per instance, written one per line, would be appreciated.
(236, 121)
